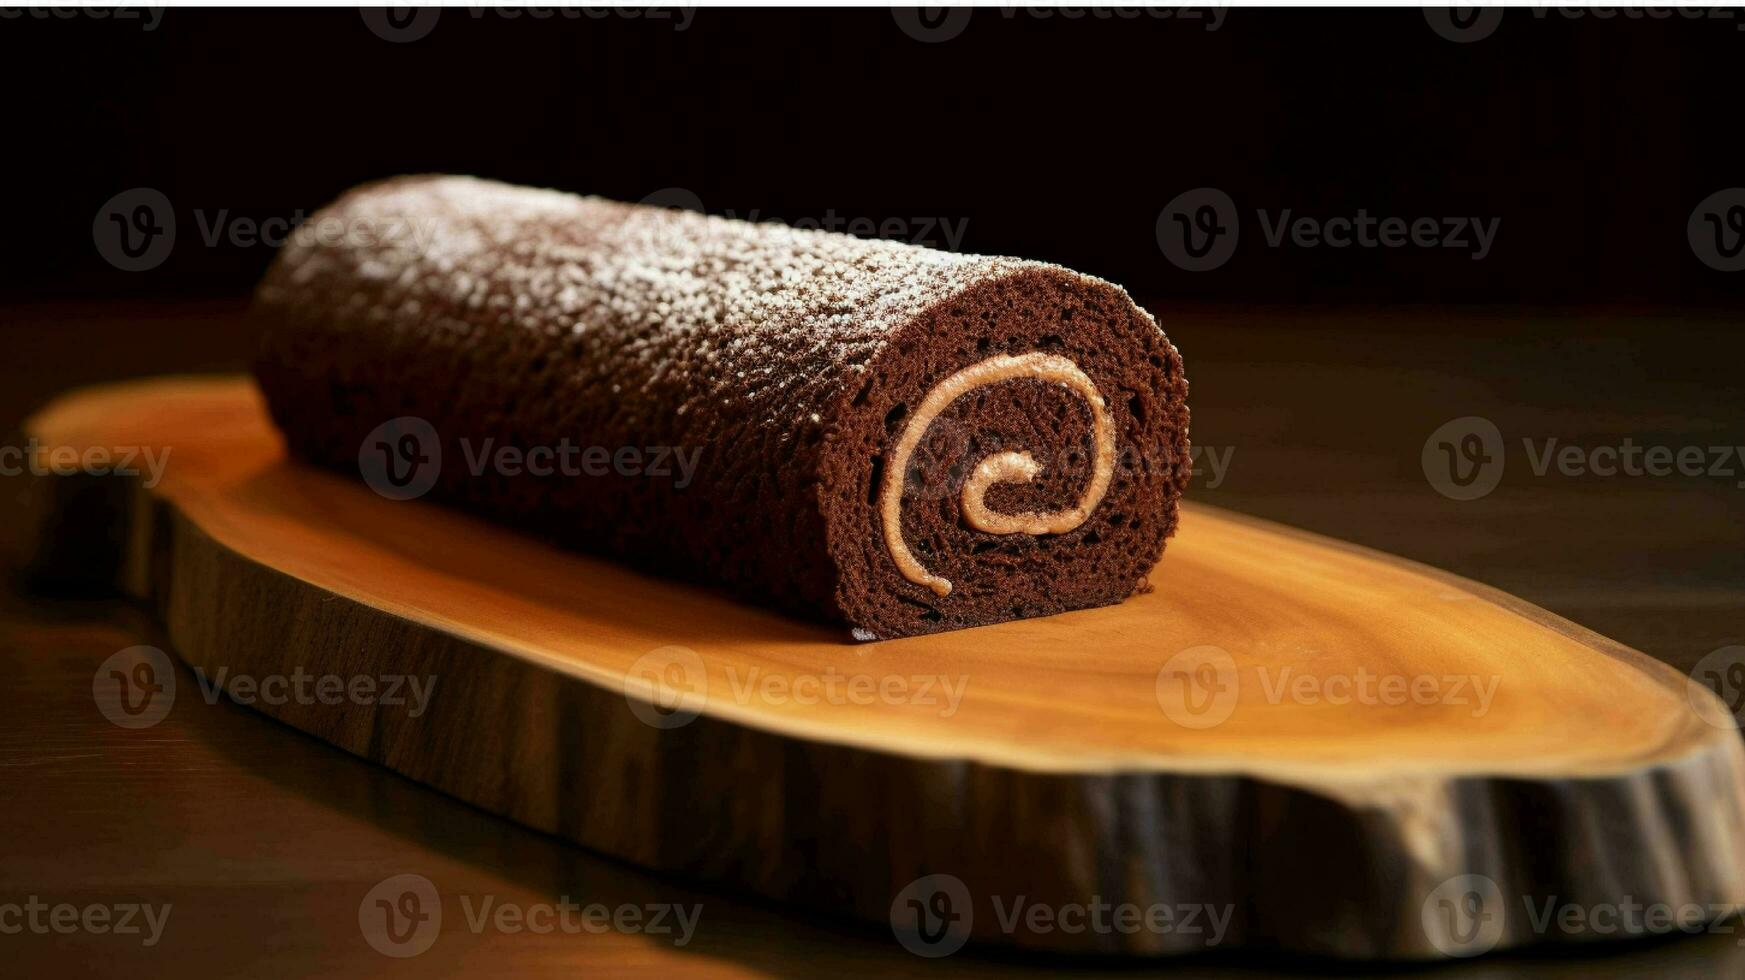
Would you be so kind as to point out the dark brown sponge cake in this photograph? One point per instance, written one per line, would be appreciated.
(817, 383)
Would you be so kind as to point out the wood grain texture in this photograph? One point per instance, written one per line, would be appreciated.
(1061, 775)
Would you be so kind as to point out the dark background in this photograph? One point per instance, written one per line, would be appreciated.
(1591, 138)
(1319, 373)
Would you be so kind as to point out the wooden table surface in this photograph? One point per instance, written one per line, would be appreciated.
(264, 841)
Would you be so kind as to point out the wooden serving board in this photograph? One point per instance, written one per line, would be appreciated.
(1213, 744)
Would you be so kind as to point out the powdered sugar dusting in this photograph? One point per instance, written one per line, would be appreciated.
(699, 308)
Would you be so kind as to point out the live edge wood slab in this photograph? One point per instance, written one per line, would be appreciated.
(1315, 740)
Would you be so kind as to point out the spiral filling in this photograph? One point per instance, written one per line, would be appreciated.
(1005, 467)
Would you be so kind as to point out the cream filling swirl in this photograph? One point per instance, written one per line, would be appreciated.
(1006, 467)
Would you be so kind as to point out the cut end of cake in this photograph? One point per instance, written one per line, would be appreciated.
(1024, 444)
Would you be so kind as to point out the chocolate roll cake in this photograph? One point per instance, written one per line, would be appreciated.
(894, 438)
